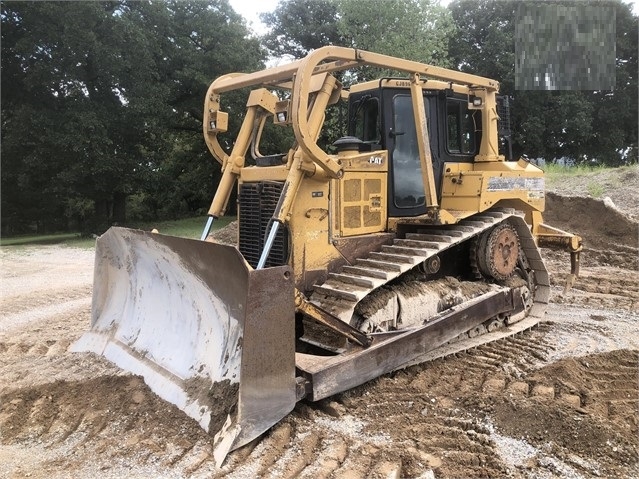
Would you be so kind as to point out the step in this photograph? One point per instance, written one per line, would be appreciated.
(446, 232)
(466, 228)
(471, 223)
(493, 214)
(487, 220)
(352, 279)
(479, 219)
(371, 272)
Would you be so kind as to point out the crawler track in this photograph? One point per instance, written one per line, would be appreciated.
(343, 291)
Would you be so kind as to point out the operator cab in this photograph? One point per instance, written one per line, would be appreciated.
(383, 119)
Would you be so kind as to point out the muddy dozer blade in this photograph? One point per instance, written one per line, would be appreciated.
(206, 331)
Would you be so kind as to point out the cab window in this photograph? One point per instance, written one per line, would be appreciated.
(460, 128)
(366, 119)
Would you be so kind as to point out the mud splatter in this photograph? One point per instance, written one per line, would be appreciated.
(220, 398)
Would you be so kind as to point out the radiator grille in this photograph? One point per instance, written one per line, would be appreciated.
(257, 202)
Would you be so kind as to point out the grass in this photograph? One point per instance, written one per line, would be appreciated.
(592, 180)
(596, 190)
(552, 169)
(69, 239)
(41, 239)
(185, 228)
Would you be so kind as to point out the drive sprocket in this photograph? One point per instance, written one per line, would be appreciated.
(497, 252)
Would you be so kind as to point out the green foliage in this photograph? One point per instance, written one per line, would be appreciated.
(564, 46)
(581, 124)
(477, 36)
(413, 29)
(42, 239)
(555, 170)
(595, 190)
(299, 26)
(97, 98)
(185, 228)
(101, 101)
(483, 41)
(553, 124)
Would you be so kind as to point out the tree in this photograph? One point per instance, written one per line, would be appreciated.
(300, 26)
(483, 40)
(413, 29)
(100, 100)
(615, 115)
(198, 41)
(585, 125)
(55, 127)
(417, 30)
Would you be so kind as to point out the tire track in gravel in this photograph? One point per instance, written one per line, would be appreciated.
(339, 437)
(457, 391)
(598, 286)
(426, 427)
(421, 411)
(583, 411)
(102, 420)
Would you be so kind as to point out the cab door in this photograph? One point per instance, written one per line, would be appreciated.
(406, 185)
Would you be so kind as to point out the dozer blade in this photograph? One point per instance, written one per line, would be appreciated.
(206, 331)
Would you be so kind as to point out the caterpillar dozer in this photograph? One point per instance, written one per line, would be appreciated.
(416, 237)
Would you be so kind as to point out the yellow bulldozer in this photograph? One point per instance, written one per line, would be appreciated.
(417, 237)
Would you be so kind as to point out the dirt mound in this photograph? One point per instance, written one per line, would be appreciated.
(621, 185)
(599, 224)
(107, 426)
(56, 410)
(227, 234)
(611, 237)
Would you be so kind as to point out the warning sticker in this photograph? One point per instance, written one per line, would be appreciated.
(535, 186)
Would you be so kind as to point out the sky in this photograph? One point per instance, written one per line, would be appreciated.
(251, 9)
